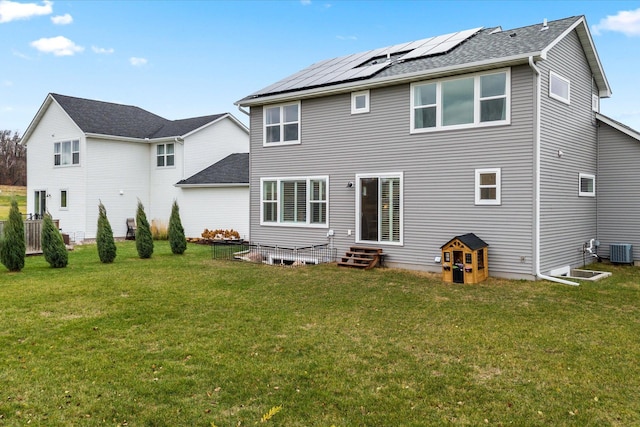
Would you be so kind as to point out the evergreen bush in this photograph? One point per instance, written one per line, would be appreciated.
(144, 238)
(104, 238)
(53, 247)
(13, 249)
(177, 239)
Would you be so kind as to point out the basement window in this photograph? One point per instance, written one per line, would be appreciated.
(587, 185)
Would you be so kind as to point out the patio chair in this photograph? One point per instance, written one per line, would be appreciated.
(131, 229)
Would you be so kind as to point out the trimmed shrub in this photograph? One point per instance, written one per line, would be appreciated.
(53, 247)
(177, 240)
(104, 238)
(14, 248)
(144, 239)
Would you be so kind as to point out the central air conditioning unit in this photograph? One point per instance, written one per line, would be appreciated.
(621, 253)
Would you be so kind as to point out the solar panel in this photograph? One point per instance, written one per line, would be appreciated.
(357, 65)
(440, 44)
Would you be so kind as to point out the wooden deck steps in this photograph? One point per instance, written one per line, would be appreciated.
(361, 257)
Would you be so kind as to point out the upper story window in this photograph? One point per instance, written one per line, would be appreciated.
(587, 185)
(559, 87)
(282, 124)
(360, 102)
(66, 153)
(488, 183)
(165, 155)
(294, 201)
(477, 100)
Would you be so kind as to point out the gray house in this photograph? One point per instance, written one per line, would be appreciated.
(486, 131)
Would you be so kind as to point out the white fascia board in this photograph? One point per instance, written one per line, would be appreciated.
(399, 79)
(632, 133)
(130, 139)
(239, 185)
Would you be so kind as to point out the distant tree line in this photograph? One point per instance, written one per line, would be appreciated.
(13, 159)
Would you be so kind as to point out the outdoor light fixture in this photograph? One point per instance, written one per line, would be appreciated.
(349, 184)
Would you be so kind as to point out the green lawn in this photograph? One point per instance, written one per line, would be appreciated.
(6, 194)
(191, 341)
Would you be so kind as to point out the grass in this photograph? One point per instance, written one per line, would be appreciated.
(186, 340)
(6, 193)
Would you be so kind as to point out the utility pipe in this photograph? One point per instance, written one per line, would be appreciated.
(537, 156)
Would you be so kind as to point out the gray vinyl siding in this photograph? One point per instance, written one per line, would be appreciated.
(439, 176)
(618, 189)
(567, 220)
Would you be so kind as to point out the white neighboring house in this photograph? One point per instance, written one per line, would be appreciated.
(82, 151)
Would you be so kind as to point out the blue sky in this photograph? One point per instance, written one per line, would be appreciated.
(182, 59)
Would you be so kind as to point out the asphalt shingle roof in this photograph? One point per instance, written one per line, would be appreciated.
(106, 118)
(488, 45)
(470, 240)
(233, 169)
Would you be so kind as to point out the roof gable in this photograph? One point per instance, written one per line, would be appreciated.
(484, 49)
(118, 120)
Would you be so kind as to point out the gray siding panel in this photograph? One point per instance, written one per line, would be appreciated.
(438, 173)
(568, 221)
(618, 190)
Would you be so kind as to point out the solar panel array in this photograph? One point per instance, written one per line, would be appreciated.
(350, 67)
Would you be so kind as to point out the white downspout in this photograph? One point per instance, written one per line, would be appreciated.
(537, 156)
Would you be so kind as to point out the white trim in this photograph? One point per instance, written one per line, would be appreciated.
(307, 223)
(498, 186)
(595, 103)
(476, 102)
(554, 95)
(593, 180)
(213, 185)
(358, 238)
(627, 131)
(280, 124)
(367, 101)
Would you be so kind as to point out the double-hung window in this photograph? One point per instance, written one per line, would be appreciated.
(165, 155)
(476, 100)
(488, 186)
(380, 208)
(299, 201)
(282, 124)
(66, 153)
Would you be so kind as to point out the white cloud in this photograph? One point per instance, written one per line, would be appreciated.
(59, 46)
(346, 37)
(137, 62)
(65, 19)
(102, 50)
(305, 2)
(20, 55)
(626, 22)
(12, 10)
